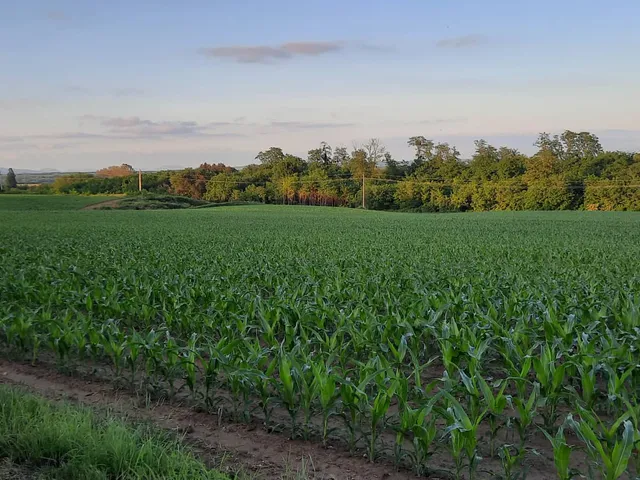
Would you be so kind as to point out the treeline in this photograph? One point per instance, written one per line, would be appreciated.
(569, 171)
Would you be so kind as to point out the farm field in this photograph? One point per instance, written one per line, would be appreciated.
(478, 345)
(25, 202)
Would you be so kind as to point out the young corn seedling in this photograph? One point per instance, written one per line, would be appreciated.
(325, 384)
(511, 458)
(616, 391)
(188, 356)
(561, 453)
(213, 359)
(171, 362)
(241, 379)
(419, 424)
(309, 392)
(377, 413)
(550, 375)
(354, 398)
(527, 409)
(495, 405)
(612, 453)
(288, 391)
(463, 431)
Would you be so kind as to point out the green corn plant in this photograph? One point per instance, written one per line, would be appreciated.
(114, 345)
(212, 359)
(588, 389)
(241, 379)
(354, 399)
(189, 356)
(325, 385)
(20, 333)
(610, 454)
(264, 385)
(561, 453)
(171, 362)
(616, 391)
(377, 413)
(288, 391)
(475, 347)
(511, 457)
(634, 413)
(463, 432)
(495, 405)
(527, 409)
(308, 392)
(134, 350)
(550, 377)
(419, 424)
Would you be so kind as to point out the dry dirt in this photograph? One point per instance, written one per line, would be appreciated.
(107, 203)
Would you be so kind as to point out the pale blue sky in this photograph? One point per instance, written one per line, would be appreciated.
(167, 83)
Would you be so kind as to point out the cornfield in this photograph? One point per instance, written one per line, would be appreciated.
(397, 336)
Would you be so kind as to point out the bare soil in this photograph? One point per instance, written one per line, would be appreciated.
(99, 205)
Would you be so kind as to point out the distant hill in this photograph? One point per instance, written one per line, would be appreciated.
(4, 170)
(26, 176)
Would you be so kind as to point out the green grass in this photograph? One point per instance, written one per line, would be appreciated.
(20, 203)
(69, 442)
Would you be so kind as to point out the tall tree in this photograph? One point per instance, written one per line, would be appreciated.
(320, 155)
(123, 170)
(10, 180)
(271, 156)
(341, 156)
(484, 163)
(375, 151)
(393, 168)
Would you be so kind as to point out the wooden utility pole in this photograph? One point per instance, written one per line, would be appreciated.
(140, 180)
(364, 205)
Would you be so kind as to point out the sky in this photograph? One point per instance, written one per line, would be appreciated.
(168, 84)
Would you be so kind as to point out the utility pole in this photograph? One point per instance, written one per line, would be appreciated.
(139, 180)
(364, 205)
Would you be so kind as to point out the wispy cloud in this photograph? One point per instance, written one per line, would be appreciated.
(268, 54)
(464, 41)
(136, 127)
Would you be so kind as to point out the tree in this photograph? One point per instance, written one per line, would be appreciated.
(321, 155)
(340, 156)
(422, 146)
(570, 147)
(393, 168)
(271, 156)
(10, 180)
(220, 188)
(484, 164)
(123, 170)
(375, 151)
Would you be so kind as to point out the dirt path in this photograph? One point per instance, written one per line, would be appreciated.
(107, 203)
(266, 455)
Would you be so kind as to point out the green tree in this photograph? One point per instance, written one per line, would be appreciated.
(340, 156)
(220, 188)
(484, 164)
